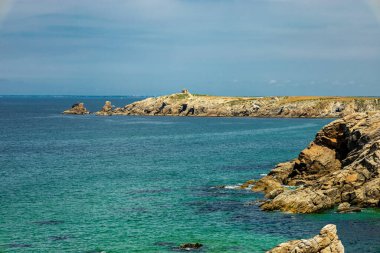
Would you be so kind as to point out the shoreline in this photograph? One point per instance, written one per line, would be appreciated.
(185, 104)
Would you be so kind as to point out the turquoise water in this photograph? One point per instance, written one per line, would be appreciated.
(147, 184)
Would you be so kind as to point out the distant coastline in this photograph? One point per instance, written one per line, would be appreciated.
(199, 105)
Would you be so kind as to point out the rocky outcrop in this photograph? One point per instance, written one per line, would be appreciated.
(326, 242)
(187, 104)
(106, 110)
(341, 165)
(77, 109)
(190, 246)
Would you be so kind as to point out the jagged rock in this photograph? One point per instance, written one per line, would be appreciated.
(215, 106)
(341, 165)
(274, 193)
(106, 110)
(78, 109)
(326, 242)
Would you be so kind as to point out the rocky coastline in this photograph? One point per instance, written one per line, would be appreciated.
(327, 241)
(340, 167)
(187, 104)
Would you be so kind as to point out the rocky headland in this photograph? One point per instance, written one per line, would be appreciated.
(326, 242)
(187, 104)
(77, 109)
(340, 167)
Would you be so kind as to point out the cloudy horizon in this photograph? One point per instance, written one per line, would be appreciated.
(226, 47)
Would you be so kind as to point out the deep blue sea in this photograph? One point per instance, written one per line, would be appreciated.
(147, 184)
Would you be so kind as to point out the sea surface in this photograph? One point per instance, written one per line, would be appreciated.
(148, 184)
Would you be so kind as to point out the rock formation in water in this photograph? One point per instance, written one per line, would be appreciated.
(78, 109)
(190, 246)
(106, 110)
(341, 165)
(326, 242)
(187, 104)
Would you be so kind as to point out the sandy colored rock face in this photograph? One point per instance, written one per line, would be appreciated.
(341, 165)
(187, 104)
(326, 242)
(106, 110)
(77, 109)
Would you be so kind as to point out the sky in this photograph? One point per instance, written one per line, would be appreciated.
(219, 47)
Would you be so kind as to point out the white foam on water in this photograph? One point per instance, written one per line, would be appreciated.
(232, 187)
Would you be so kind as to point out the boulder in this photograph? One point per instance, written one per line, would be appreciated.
(343, 207)
(326, 242)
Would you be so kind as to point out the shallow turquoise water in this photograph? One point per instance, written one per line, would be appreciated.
(147, 184)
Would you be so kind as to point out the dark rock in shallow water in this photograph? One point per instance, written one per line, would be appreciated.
(190, 246)
(96, 251)
(59, 237)
(165, 244)
(48, 222)
(19, 245)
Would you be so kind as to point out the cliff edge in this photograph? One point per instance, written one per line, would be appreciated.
(341, 166)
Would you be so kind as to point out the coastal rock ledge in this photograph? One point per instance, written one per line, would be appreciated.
(326, 242)
(341, 165)
(188, 104)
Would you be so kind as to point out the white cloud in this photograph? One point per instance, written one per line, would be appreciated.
(273, 81)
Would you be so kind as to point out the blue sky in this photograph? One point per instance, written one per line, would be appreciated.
(221, 47)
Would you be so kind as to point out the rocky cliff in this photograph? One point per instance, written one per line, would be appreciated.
(187, 104)
(341, 166)
(78, 109)
(326, 242)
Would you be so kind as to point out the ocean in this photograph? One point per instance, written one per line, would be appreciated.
(149, 184)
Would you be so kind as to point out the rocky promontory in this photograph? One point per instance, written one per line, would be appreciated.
(77, 109)
(187, 104)
(340, 167)
(326, 242)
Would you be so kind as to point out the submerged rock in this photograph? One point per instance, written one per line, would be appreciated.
(19, 245)
(48, 222)
(341, 165)
(190, 246)
(326, 242)
(77, 109)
